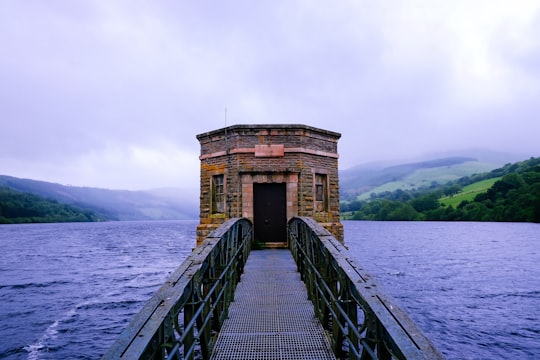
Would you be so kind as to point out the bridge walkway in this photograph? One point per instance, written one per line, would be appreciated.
(271, 316)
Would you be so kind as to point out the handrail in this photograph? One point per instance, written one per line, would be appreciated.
(184, 316)
(361, 322)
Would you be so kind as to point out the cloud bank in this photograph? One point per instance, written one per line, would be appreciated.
(112, 93)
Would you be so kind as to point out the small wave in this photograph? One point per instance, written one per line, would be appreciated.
(535, 331)
(13, 351)
(35, 349)
(33, 285)
(19, 313)
(520, 294)
(43, 344)
(108, 305)
(528, 294)
(51, 333)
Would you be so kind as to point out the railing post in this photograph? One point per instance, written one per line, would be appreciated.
(204, 331)
(382, 351)
(351, 309)
(189, 337)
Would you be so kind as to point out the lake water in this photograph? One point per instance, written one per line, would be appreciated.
(474, 288)
(68, 290)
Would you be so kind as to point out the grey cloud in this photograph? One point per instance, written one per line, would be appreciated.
(81, 83)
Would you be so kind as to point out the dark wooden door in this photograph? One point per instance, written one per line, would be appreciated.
(270, 212)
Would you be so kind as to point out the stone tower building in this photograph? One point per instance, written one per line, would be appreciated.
(269, 174)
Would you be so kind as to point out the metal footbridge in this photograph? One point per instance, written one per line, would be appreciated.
(311, 301)
(271, 316)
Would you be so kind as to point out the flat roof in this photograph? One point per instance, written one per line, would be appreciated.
(232, 128)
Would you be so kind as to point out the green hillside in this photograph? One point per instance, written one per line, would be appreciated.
(360, 182)
(18, 207)
(469, 192)
(510, 193)
(426, 177)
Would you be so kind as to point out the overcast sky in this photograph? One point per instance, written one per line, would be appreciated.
(112, 93)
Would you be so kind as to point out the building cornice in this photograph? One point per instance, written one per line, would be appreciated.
(258, 153)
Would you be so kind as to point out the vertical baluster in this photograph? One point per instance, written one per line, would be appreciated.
(351, 308)
(204, 331)
(189, 310)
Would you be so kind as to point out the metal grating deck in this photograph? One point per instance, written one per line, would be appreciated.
(271, 316)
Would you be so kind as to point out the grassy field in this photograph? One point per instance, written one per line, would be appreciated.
(468, 193)
(424, 177)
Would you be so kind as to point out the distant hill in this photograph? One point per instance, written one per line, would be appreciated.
(508, 193)
(359, 182)
(356, 183)
(20, 207)
(110, 204)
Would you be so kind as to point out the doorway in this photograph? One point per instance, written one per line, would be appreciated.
(270, 213)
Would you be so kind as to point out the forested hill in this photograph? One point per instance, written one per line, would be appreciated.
(512, 193)
(18, 207)
(163, 204)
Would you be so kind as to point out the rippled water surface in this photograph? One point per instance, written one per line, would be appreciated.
(474, 288)
(68, 290)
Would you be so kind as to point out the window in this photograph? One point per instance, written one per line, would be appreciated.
(218, 194)
(321, 193)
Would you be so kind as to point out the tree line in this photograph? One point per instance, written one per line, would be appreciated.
(515, 197)
(19, 207)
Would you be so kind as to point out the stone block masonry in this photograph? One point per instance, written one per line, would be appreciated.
(236, 157)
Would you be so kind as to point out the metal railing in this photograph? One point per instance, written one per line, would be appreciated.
(184, 316)
(361, 322)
